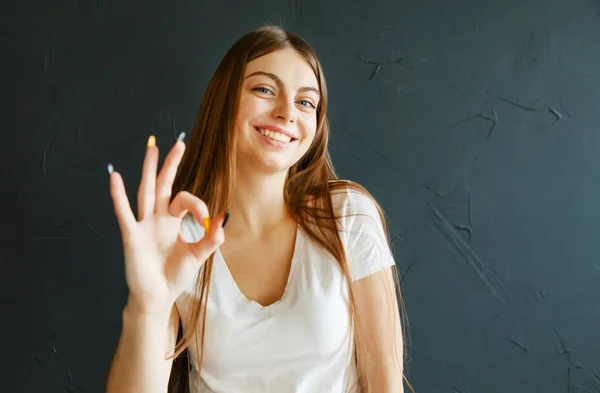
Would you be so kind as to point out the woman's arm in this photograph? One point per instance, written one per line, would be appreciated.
(377, 306)
(140, 363)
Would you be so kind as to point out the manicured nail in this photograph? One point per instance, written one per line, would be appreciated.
(206, 224)
(181, 136)
(226, 218)
(110, 168)
(151, 141)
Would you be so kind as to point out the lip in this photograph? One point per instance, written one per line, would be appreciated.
(273, 142)
(277, 129)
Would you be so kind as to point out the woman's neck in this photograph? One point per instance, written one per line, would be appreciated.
(257, 204)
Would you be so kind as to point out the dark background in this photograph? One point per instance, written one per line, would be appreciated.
(474, 123)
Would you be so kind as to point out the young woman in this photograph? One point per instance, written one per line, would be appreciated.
(299, 291)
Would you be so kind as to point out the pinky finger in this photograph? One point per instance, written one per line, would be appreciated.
(122, 208)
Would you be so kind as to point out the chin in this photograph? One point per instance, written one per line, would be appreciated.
(273, 166)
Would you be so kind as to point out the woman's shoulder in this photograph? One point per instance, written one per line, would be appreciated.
(349, 197)
(362, 228)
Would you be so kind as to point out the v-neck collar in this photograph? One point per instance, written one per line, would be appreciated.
(252, 304)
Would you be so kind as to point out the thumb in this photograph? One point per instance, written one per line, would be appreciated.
(200, 243)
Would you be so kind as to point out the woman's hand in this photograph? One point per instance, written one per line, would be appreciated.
(159, 264)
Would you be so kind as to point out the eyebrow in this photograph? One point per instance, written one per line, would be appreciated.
(279, 82)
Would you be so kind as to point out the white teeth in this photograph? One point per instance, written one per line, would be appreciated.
(275, 135)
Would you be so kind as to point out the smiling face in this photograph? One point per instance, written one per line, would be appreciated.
(277, 116)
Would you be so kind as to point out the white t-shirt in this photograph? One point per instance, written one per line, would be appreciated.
(302, 342)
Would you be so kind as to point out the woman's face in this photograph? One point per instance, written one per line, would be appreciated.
(277, 116)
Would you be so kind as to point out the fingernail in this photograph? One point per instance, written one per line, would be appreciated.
(151, 141)
(226, 218)
(110, 168)
(181, 136)
(206, 224)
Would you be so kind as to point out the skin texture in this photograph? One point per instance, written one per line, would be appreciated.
(275, 93)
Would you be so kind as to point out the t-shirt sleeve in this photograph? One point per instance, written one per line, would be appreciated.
(365, 241)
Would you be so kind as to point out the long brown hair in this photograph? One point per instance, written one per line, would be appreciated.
(308, 187)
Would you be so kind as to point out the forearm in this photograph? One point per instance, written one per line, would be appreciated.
(140, 364)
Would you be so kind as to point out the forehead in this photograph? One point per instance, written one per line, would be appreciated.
(290, 66)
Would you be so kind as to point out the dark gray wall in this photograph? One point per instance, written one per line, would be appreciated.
(475, 123)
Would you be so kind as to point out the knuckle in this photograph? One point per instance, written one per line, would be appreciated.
(184, 198)
(178, 198)
(193, 200)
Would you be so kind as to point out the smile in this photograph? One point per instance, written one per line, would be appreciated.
(273, 136)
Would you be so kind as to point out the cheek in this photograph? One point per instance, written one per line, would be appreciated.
(310, 128)
(248, 109)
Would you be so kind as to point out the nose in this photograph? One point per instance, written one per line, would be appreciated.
(285, 110)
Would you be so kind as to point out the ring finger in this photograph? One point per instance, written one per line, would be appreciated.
(164, 180)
